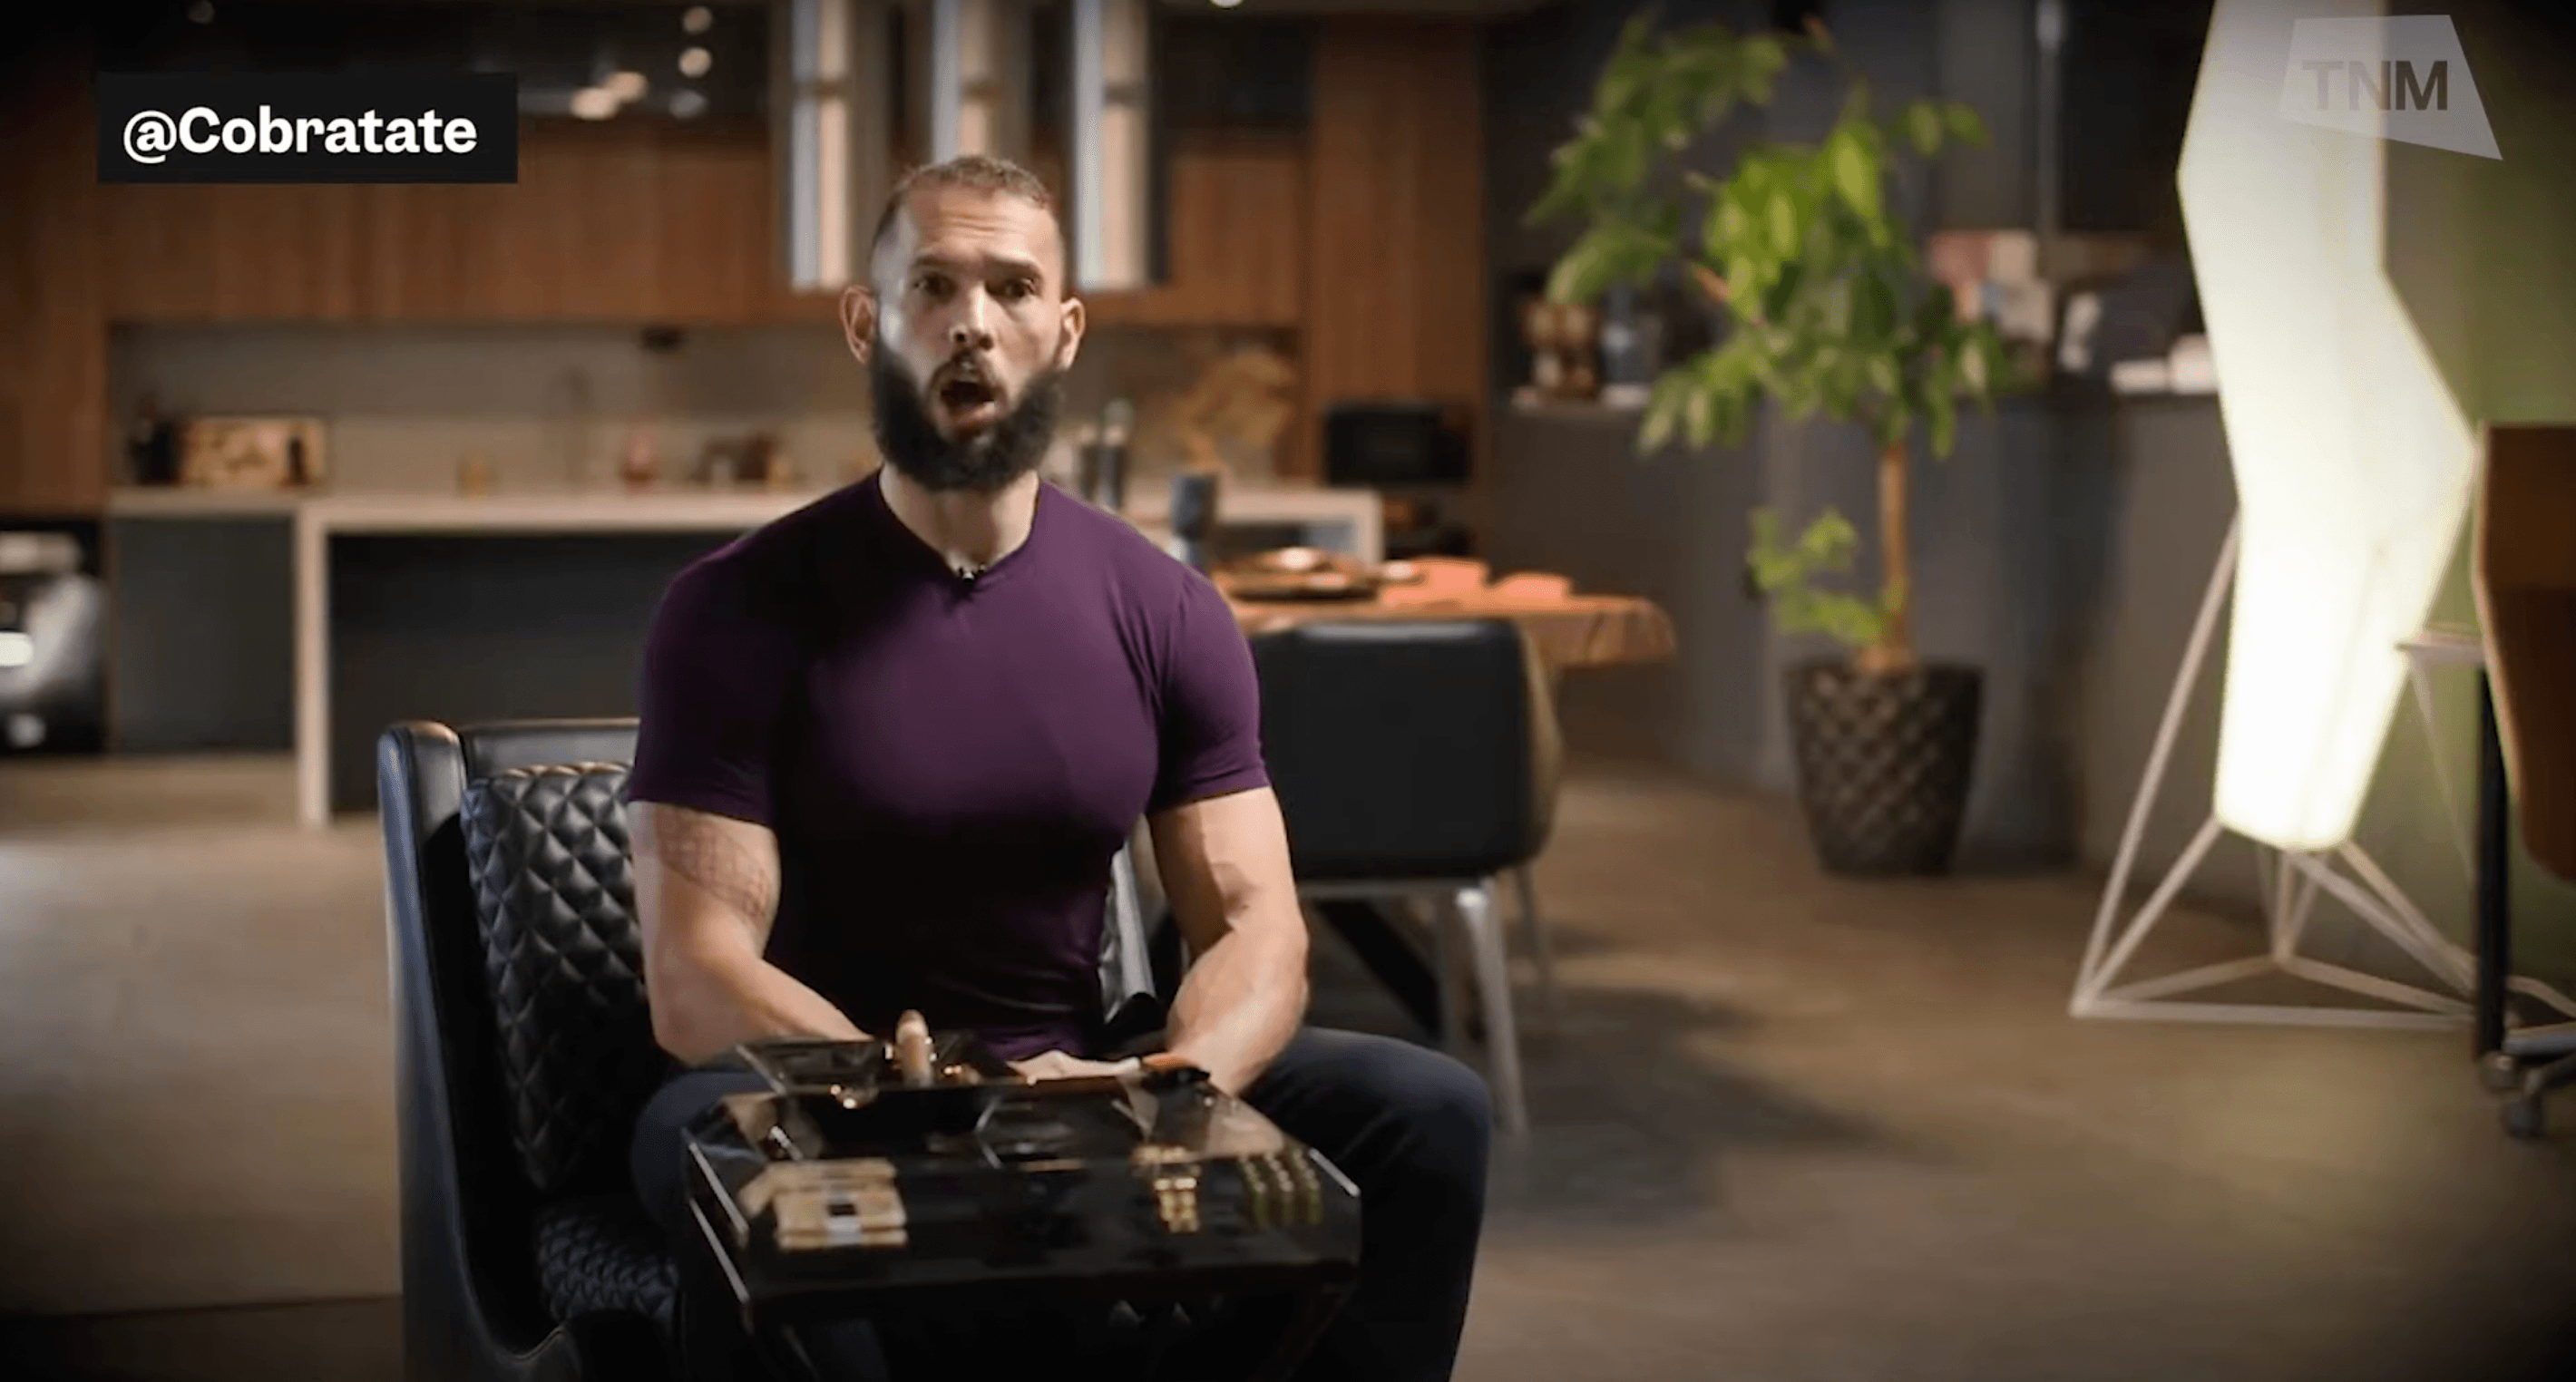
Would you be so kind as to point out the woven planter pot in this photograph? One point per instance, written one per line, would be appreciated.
(1884, 762)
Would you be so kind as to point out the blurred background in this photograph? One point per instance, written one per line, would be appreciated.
(280, 465)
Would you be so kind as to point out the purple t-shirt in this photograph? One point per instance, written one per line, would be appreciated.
(949, 765)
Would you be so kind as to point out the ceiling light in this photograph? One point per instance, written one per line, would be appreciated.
(594, 103)
(695, 62)
(697, 20)
(627, 87)
(688, 105)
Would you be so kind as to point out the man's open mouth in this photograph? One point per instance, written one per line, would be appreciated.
(963, 394)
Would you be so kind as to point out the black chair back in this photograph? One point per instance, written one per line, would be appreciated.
(493, 1121)
(1408, 750)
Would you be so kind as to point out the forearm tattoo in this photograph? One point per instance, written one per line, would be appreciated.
(699, 849)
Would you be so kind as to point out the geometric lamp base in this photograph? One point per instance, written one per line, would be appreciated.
(2293, 890)
(2289, 891)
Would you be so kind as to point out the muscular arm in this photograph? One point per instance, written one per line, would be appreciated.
(706, 891)
(1224, 865)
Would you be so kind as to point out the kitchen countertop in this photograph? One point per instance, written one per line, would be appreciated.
(313, 517)
(671, 509)
(655, 510)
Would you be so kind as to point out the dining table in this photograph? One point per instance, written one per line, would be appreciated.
(1571, 631)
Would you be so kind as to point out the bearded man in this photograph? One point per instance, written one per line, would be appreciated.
(891, 744)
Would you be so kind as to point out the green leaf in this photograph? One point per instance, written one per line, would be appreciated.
(1893, 424)
(1663, 409)
(1699, 415)
(1783, 211)
(1759, 62)
(1941, 421)
(1964, 124)
(1855, 103)
(1975, 366)
(1883, 374)
(1873, 308)
(1922, 122)
(1742, 280)
(1856, 173)
(1609, 253)
(1727, 226)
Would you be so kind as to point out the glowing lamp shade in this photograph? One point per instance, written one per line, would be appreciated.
(2354, 466)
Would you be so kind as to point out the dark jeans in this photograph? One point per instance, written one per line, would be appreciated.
(1409, 1126)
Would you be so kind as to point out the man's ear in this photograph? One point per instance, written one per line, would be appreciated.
(1069, 342)
(859, 319)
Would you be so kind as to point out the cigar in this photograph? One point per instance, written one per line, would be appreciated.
(912, 1048)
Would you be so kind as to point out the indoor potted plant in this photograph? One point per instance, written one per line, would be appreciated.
(1825, 309)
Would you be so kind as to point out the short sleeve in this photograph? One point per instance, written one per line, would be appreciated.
(719, 666)
(1211, 711)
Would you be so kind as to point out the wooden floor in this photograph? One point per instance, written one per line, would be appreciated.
(1788, 1129)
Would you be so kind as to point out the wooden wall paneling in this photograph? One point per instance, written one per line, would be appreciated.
(286, 252)
(418, 252)
(1395, 241)
(53, 323)
(1237, 208)
(234, 253)
(584, 228)
(712, 255)
(158, 248)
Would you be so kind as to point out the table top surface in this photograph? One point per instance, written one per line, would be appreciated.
(1571, 631)
(1134, 1186)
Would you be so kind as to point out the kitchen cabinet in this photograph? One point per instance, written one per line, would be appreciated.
(1361, 231)
(1237, 218)
(1395, 290)
(53, 334)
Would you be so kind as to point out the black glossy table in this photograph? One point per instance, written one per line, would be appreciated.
(1145, 1191)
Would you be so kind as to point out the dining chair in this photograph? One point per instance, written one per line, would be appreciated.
(1418, 760)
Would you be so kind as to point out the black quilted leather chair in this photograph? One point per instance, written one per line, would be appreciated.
(523, 1052)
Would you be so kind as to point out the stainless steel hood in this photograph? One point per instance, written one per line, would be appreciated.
(858, 80)
(1405, 9)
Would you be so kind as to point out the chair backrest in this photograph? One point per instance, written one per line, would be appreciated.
(468, 1201)
(546, 847)
(2524, 575)
(1408, 749)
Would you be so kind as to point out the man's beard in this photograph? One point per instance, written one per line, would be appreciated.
(1015, 444)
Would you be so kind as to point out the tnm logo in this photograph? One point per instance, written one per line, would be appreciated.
(2401, 78)
(2392, 87)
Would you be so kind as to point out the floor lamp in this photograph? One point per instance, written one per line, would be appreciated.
(2354, 468)
(2293, 878)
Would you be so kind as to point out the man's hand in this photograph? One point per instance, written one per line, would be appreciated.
(1056, 1065)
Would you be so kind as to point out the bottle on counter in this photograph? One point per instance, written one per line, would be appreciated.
(151, 445)
(1195, 495)
(1104, 460)
(639, 465)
